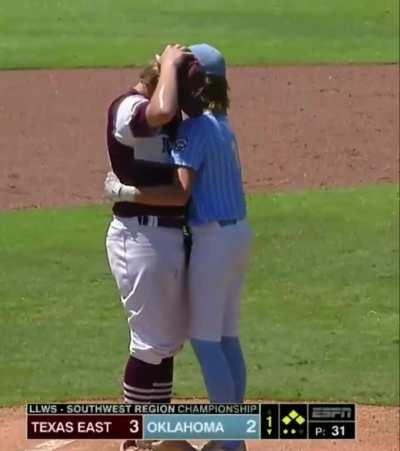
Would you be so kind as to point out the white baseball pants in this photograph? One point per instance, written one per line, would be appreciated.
(218, 263)
(149, 268)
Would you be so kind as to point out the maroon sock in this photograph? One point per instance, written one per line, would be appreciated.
(163, 381)
(138, 381)
(145, 383)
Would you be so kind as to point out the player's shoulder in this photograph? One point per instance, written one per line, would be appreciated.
(128, 100)
(127, 107)
(194, 124)
(192, 133)
(131, 100)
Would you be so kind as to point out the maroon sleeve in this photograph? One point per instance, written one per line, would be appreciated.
(139, 126)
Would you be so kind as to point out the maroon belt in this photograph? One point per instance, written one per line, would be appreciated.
(162, 221)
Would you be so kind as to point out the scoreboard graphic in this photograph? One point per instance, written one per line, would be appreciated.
(191, 421)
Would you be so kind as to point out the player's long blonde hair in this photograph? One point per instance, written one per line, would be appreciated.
(215, 94)
(150, 73)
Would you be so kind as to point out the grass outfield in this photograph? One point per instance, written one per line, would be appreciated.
(84, 33)
(320, 316)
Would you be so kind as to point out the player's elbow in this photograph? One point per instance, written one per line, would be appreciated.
(157, 117)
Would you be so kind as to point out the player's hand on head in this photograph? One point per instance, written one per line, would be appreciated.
(175, 54)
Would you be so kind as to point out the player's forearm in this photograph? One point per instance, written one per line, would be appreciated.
(163, 105)
(161, 195)
(177, 194)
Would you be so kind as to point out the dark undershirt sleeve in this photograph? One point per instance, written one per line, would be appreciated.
(139, 126)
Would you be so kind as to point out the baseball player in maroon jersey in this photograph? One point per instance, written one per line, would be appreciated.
(209, 173)
(145, 243)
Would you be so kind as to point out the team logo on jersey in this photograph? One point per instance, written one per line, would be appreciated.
(180, 144)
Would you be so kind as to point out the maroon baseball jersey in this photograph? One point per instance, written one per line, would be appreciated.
(139, 154)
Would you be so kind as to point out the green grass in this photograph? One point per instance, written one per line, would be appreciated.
(320, 315)
(82, 33)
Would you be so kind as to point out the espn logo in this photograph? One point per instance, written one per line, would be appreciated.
(332, 412)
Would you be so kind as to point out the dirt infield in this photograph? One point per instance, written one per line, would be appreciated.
(298, 127)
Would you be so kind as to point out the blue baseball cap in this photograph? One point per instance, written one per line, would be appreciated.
(210, 58)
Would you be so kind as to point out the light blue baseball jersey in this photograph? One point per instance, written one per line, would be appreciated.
(208, 145)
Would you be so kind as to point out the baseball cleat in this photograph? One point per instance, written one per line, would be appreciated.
(136, 445)
(216, 445)
(145, 444)
(128, 445)
(173, 445)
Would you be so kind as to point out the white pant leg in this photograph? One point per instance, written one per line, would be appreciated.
(235, 287)
(217, 268)
(148, 266)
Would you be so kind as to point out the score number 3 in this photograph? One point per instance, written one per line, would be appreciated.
(134, 426)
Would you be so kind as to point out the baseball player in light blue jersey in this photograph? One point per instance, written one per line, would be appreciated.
(209, 175)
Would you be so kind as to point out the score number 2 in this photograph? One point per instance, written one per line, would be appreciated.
(251, 427)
